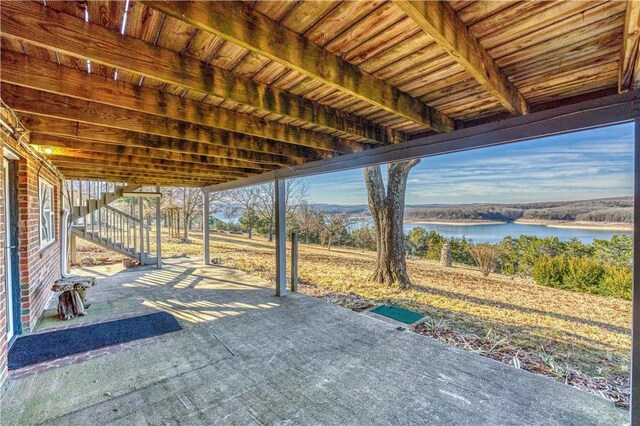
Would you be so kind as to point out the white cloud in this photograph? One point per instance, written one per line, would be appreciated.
(582, 165)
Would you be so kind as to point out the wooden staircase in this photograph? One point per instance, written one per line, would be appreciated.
(94, 219)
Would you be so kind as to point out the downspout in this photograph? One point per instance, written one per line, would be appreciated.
(64, 243)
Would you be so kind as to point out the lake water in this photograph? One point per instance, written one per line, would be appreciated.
(494, 233)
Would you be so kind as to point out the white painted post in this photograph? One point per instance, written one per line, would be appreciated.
(294, 261)
(158, 236)
(205, 227)
(281, 239)
(142, 256)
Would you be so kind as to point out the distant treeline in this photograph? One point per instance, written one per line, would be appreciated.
(599, 210)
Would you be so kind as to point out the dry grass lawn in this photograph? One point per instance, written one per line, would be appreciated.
(578, 338)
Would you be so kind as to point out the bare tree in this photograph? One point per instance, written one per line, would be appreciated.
(248, 198)
(217, 202)
(297, 190)
(334, 226)
(309, 220)
(191, 203)
(387, 210)
(229, 211)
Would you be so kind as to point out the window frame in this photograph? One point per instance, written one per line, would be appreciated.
(43, 183)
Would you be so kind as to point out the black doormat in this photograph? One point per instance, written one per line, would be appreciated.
(37, 348)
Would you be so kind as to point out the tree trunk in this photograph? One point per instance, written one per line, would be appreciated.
(445, 255)
(250, 232)
(387, 211)
(185, 231)
(270, 233)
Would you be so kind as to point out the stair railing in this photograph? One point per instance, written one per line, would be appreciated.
(83, 192)
(98, 221)
(118, 228)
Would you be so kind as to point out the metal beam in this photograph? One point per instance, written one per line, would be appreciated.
(634, 411)
(281, 239)
(593, 113)
(205, 226)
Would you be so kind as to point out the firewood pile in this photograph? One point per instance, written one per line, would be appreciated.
(72, 300)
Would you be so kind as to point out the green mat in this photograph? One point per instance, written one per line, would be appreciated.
(399, 314)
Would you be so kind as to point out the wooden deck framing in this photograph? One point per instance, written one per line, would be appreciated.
(205, 93)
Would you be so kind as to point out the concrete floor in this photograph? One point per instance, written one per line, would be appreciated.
(247, 357)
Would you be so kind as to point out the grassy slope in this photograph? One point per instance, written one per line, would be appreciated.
(558, 333)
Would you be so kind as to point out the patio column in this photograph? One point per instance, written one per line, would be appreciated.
(143, 258)
(205, 226)
(281, 239)
(158, 236)
(635, 329)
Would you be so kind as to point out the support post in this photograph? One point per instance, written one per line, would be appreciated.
(294, 261)
(158, 235)
(205, 226)
(635, 329)
(281, 239)
(72, 249)
(142, 256)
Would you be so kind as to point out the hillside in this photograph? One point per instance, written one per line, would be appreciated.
(618, 210)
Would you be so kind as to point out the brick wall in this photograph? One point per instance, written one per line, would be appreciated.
(39, 266)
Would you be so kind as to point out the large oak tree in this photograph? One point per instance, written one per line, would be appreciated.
(387, 210)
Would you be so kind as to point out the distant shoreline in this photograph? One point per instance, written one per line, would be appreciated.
(470, 222)
(602, 226)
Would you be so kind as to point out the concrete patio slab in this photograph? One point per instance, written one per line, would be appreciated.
(247, 357)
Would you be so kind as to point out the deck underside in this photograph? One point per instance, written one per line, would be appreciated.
(204, 93)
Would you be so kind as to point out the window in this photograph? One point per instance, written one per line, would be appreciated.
(47, 215)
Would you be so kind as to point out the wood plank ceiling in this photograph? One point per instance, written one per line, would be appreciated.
(197, 93)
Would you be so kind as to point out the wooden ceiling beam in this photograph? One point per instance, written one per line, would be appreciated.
(439, 21)
(151, 177)
(31, 101)
(97, 158)
(51, 29)
(111, 150)
(89, 133)
(131, 178)
(118, 164)
(629, 77)
(26, 71)
(158, 174)
(236, 23)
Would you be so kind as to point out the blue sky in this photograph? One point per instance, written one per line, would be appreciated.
(592, 164)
